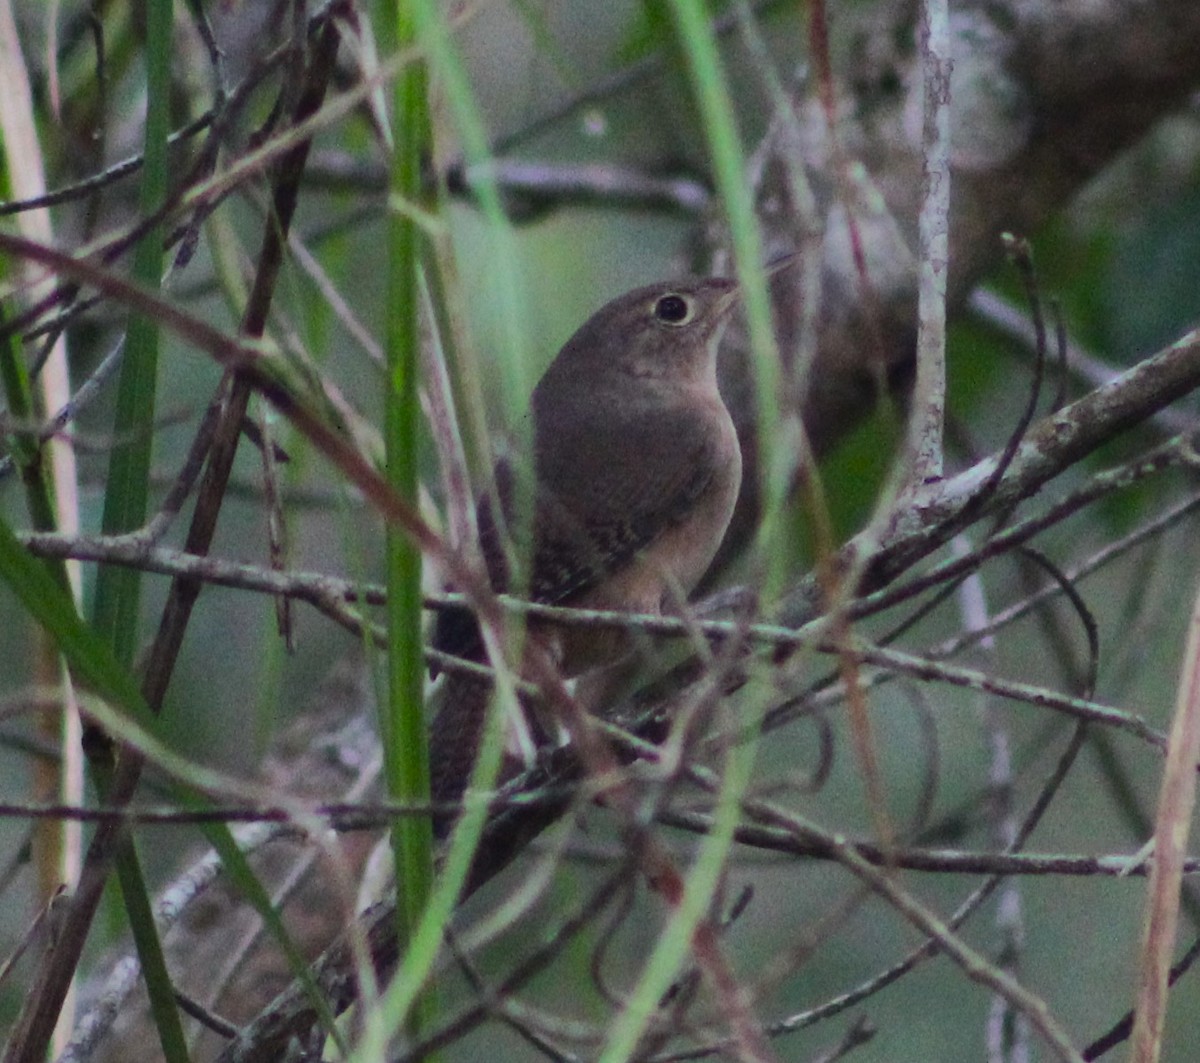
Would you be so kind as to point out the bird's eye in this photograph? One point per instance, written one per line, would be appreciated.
(674, 309)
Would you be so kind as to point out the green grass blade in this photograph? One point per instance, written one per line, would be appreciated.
(125, 502)
(406, 753)
(408, 990)
(116, 606)
(136, 898)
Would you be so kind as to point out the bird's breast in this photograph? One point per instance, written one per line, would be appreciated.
(684, 550)
(672, 563)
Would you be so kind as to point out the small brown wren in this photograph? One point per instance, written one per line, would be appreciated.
(636, 468)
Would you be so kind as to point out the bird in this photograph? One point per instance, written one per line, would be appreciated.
(635, 471)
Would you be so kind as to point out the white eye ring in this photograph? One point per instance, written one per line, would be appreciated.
(674, 309)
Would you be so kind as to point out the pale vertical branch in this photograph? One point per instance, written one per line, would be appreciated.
(928, 414)
(1176, 802)
(62, 843)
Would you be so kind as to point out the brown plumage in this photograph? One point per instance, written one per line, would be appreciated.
(636, 469)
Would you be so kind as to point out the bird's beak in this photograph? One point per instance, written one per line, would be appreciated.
(778, 265)
(781, 263)
(728, 301)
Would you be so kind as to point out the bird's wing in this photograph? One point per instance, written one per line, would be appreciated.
(586, 527)
(574, 550)
(644, 476)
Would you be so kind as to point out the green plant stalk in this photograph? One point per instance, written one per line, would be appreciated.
(115, 612)
(136, 898)
(406, 997)
(406, 749)
(116, 606)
